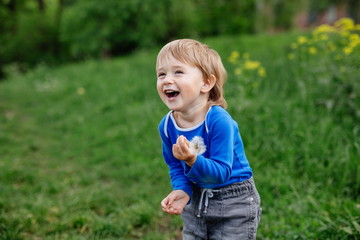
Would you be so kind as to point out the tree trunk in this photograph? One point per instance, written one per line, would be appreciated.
(41, 5)
(56, 44)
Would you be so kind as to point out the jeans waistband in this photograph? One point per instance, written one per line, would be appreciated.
(232, 189)
(238, 187)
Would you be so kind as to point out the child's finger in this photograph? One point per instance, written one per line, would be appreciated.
(170, 199)
(177, 211)
(187, 142)
(181, 139)
(183, 144)
(178, 140)
(176, 148)
(166, 202)
(173, 211)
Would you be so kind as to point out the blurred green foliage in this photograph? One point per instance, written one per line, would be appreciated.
(32, 40)
(52, 31)
(29, 33)
(57, 31)
(112, 26)
(115, 27)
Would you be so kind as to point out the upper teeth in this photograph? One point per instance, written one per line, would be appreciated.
(169, 91)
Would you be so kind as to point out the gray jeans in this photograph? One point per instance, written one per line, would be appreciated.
(227, 213)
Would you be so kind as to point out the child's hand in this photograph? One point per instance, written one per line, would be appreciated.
(175, 202)
(181, 150)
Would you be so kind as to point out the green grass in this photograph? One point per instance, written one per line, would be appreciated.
(89, 166)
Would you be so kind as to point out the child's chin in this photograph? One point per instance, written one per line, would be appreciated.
(172, 107)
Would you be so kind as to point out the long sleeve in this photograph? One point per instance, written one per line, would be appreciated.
(217, 168)
(176, 170)
(222, 161)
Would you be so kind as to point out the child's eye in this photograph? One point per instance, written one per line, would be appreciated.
(161, 75)
(179, 72)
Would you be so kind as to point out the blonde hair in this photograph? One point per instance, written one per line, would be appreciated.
(201, 56)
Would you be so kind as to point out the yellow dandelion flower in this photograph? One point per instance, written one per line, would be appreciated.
(354, 40)
(251, 65)
(357, 27)
(345, 33)
(302, 39)
(291, 56)
(262, 72)
(354, 37)
(345, 24)
(294, 46)
(80, 91)
(238, 71)
(234, 56)
(312, 50)
(348, 50)
(325, 28)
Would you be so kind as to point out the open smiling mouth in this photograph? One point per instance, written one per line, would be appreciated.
(171, 93)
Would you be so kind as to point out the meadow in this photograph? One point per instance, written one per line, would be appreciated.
(80, 154)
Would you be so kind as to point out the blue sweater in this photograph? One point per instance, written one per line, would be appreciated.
(221, 158)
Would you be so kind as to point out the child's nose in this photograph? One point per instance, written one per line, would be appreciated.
(168, 80)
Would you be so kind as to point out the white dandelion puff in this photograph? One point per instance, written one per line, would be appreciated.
(197, 145)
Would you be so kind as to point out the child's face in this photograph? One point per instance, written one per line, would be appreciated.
(180, 86)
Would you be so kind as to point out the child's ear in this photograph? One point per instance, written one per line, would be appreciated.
(208, 84)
